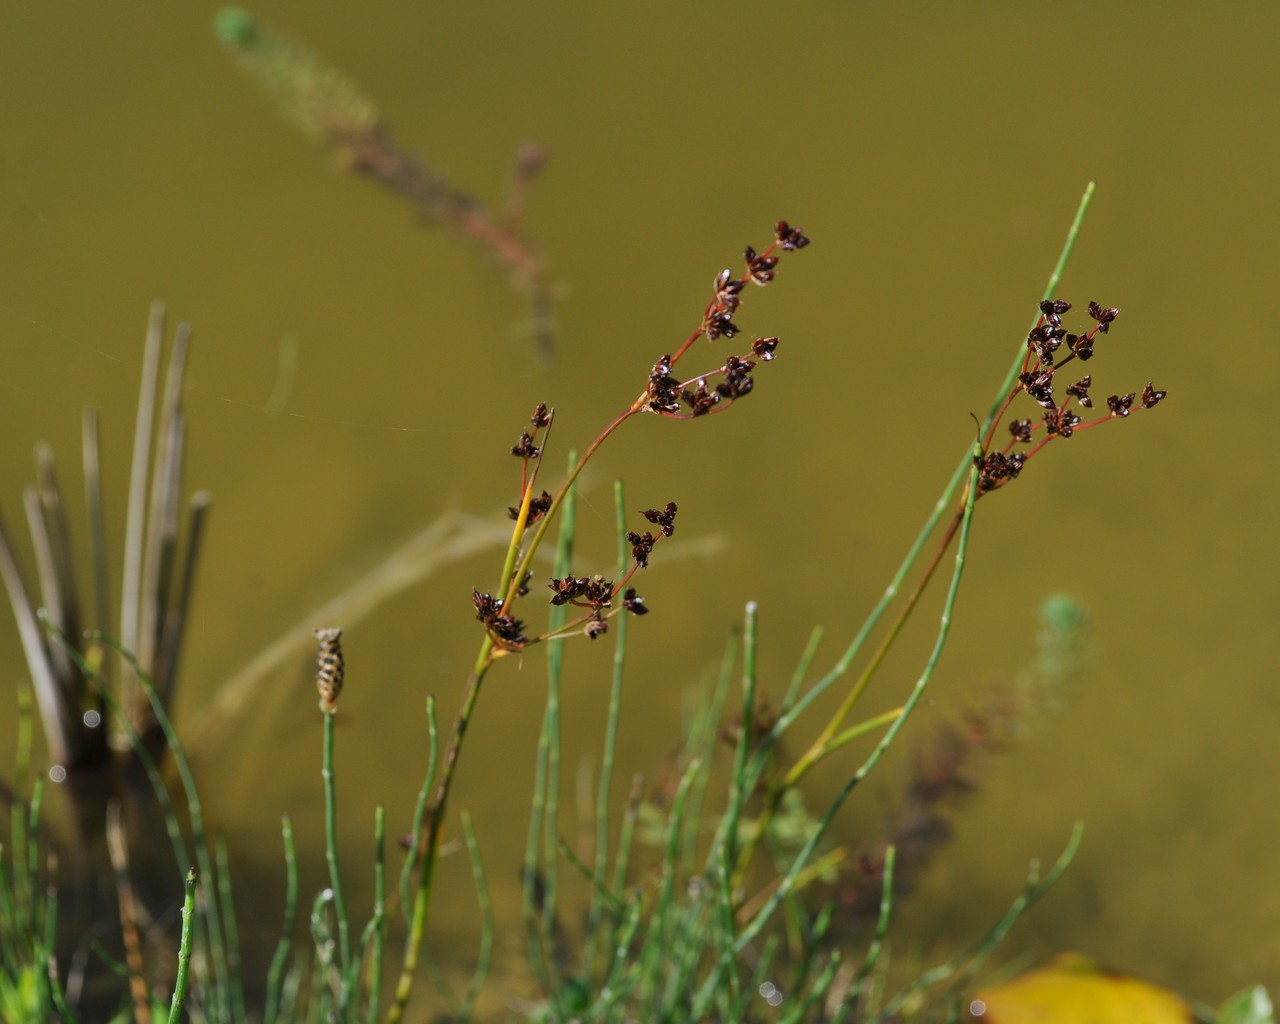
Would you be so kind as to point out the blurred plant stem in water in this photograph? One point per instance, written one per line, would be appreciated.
(327, 107)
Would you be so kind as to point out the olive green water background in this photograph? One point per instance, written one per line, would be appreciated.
(935, 153)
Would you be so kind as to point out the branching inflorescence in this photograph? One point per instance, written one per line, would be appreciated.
(666, 394)
(992, 467)
(1045, 342)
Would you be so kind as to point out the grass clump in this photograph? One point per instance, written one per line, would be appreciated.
(728, 916)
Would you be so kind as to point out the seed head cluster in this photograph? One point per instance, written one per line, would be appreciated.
(666, 393)
(1050, 348)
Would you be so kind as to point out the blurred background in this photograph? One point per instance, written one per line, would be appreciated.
(935, 154)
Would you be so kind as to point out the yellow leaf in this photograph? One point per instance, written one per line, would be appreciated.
(1071, 989)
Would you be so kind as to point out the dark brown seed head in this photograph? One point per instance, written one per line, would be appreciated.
(666, 518)
(641, 547)
(760, 268)
(537, 509)
(1081, 345)
(737, 377)
(486, 605)
(1061, 421)
(699, 399)
(1151, 397)
(526, 449)
(764, 348)
(717, 324)
(663, 390)
(788, 237)
(1120, 404)
(995, 469)
(507, 629)
(1080, 390)
(1040, 387)
(1052, 309)
(1104, 315)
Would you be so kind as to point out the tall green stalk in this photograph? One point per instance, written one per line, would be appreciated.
(375, 932)
(832, 736)
(275, 973)
(486, 918)
(539, 890)
(184, 949)
(335, 871)
(608, 754)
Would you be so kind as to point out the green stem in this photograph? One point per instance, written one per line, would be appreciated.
(429, 848)
(227, 906)
(281, 957)
(376, 931)
(853, 998)
(862, 728)
(944, 502)
(184, 949)
(486, 917)
(1034, 888)
(424, 791)
(822, 746)
(607, 758)
(331, 857)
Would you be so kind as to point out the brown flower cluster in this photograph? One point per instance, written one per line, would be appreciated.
(669, 395)
(1050, 348)
(594, 594)
(507, 630)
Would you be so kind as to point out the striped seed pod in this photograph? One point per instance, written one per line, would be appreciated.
(329, 668)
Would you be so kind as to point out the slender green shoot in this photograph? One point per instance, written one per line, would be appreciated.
(184, 949)
(801, 672)
(374, 936)
(326, 947)
(539, 896)
(943, 503)
(703, 735)
(627, 835)
(665, 927)
(486, 918)
(826, 742)
(424, 792)
(876, 946)
(961, 969)
(275, 974)
(609, 753)
(227, 905)
(335, 871)
(555, 679)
